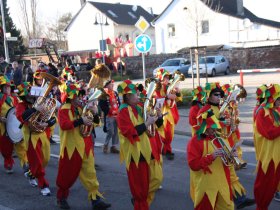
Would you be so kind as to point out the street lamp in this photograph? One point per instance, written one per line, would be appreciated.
(99, 20)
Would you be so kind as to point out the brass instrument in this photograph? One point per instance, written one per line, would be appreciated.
(149, 107)
(229, 109)
(48, 105)
(228, 157)
(176, 79)
(86, 130)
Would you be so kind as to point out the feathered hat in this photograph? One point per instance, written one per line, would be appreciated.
(199, 94)
(161, 73)
(23, 88)
(212, 88)
(4, 80)
(70, 89)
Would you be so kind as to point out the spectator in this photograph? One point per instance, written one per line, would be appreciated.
(17, 73)
(3, 64)
(121, 67)
(9, 72)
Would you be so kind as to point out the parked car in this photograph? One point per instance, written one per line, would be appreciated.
(174, 64)
(215, 65)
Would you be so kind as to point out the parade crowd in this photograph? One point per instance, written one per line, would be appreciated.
(139, 122)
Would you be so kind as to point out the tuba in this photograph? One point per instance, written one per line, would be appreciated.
(149, 107)
(48, 105)
(228, 157)
(85, 130)
(176, 79)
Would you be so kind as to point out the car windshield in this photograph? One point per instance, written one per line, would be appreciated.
(171, 63)
(209, 60)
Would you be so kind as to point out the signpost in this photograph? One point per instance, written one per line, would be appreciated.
(143, 44)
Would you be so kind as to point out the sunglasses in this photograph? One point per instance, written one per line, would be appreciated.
(217, 94)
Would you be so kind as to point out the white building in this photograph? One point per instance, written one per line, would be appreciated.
(115, 22)
(188, 23)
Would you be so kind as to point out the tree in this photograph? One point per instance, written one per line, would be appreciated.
(56, 30)
(15, 47)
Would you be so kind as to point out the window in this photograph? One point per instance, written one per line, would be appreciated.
(171, 30)
(204, 26)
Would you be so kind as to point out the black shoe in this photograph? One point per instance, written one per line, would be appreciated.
(52, 141)
(63, 204)
(247, 202)
(170, 156)
(100, 205)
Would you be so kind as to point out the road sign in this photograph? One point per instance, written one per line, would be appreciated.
(143, 43)
(142, 24)
(12, 38)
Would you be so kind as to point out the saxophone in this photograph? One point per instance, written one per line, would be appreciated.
(86, 130)
(176, 79)
(46, 104)
(149, 107)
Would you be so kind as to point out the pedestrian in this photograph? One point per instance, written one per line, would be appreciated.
(18, 75)
(76, 156)
(109, 103)
(9, 72)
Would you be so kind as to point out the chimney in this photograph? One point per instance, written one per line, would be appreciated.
(240, 8)
(82, 2)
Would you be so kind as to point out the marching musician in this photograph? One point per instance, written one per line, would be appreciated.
(109, 103)
(169, 107)
(267, 137)
(135, 147)
(38, 143)
(214, 96)
(76, 152)
(212, 187)
(232, 129)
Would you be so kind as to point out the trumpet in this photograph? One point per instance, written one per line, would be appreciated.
(228, 157)
(176, 79)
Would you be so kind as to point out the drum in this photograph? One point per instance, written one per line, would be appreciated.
(13, 126)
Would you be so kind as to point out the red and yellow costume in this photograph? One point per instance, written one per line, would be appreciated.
(136, 151)
(76, 151)
(211, 178)
(172, 117)
(268, 133)
(6, 145)
(37, 144)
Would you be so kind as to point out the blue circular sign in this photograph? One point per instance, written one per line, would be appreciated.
(143, 43)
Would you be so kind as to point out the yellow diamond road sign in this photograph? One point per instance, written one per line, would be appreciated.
(142, 24)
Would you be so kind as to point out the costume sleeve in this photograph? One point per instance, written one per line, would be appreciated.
(193, 114)
(195, 156)
(64, 120)
(20, 108)
(265, 126)
(126, 126)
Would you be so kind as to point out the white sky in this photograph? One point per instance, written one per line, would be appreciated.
(49, 10)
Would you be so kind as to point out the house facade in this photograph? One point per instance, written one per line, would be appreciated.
(189, 23)
(114, 23)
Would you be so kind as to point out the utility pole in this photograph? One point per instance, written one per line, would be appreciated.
(4, 33)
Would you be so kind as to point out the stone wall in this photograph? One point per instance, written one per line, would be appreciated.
(240, 58)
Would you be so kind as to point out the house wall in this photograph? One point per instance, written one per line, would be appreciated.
(223, 29)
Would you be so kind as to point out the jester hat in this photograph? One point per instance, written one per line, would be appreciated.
(37, 74)
(272, 93)
(70, 89)
(66, 72)
(161, 73)
(227, 88)
(4, 80)
(199, 94)
(260, 92)
(207, 120)
(23, 89)
(127, 87)
(213, 87)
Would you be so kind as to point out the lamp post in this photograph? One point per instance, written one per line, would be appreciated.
(4, 33)
(99, 20)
